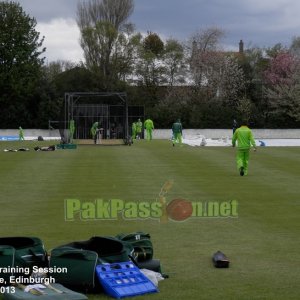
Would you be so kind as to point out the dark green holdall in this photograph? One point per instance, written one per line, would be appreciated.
(142, 250)
(21, 252)
(7, 259)
(81, 258)
(80, 265)
(141, 243)
(53, 292)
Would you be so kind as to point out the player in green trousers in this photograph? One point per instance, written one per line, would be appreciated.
(21, 134)
(94, 131)
(244, 137)
(149, 126)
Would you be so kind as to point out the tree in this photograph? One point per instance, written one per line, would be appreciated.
(275, 50)
(153, 44)
(174, 62)
(244, 109)
(254, 62)
(105, 36)
(214, 69)
(175, 104)
(281, 69)
(20, 64)
(224, 78)
(283, 87)
(54, 68)
(204, 48)
(114, 12)
(125, 53)
(149, 69)
(74, 80)
(295, 46)
(285, 102)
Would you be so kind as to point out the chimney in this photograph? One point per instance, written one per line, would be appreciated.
(241, 46)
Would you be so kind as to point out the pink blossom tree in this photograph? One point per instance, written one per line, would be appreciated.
(283, 86)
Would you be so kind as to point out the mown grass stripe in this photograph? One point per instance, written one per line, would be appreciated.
(262, 243)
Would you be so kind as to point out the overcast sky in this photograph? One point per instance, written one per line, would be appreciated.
(261, 23)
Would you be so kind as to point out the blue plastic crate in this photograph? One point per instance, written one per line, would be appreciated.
(124, 279)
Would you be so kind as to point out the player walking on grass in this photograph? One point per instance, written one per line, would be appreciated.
(177, 133)
(133, 131)
(139, 127)
(244, 137)
(94, 131)
(21, 134)
(148, 124)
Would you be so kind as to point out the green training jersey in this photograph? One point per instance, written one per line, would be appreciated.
(244, 138)
(139, 126)
(149, 124)
(177, 127)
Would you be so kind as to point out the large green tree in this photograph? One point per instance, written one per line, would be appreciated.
(107, 38)
(175, 68)
(20, 65)
(149, 69)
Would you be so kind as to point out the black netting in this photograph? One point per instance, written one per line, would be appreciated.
(108, 109)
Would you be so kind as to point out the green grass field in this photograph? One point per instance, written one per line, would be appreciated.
(262, 243)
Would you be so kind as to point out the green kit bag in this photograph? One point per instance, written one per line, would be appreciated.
(7, 260)
(80, 266)
(81, 258)
(141, 243)
(20, 253)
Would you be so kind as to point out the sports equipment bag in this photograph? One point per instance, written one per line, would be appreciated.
(81, 258)
(220, 260)
(21, 252)
(141, 243)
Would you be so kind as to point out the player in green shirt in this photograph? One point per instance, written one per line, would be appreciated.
(21, 134)
(139, 127)
(94, 131)
(177, 133)
(133, 131)
(149, 126)
(244, 137)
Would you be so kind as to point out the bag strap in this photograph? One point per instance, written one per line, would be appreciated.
(133, 260)
(142, 250)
